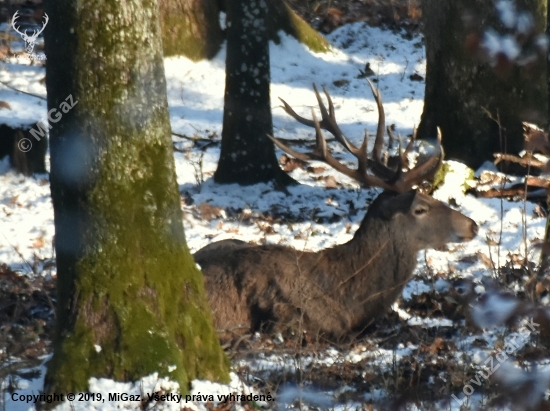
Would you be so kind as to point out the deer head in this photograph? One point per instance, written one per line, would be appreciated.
(29, 40)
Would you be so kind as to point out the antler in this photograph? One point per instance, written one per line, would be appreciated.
(35, 34)
(15, 17)
(390, 178)
(46, 19)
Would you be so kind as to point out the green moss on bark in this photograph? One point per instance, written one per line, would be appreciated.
(126, 280)
(191, 27)
(307, 35)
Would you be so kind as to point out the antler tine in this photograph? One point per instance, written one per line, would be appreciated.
(379, 141)
(330, 105)
(424, 171)
(328, 119)
(288, 150)
(13, 19)
(328, 122)
(412, 140)
(389, 130)
(383, 176)
(292, 113)
(321, 153)
(44, 24)
(403, 154)
(358, 174)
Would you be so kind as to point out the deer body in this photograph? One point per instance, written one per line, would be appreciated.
(335, 292)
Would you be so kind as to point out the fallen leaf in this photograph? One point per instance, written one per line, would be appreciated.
(330, 182)
(316, 170)
(209, 212)
(290, 163)
(13, 200)
(38, 243)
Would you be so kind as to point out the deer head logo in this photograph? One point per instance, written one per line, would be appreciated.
(29, 40)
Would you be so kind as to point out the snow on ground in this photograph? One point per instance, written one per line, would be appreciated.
(195, 94)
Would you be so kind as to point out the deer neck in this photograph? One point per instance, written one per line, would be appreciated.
(377, 249)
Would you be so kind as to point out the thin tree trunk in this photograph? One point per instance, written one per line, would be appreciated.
(130, 300)
(247, 155)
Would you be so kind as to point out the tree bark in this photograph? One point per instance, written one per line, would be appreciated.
(192, 27)
(460, 87)
(130, 300)
(544, 263)
(247, 155)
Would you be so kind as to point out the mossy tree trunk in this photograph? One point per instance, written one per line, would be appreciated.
(548, 62)
(545, 253)
(459, 86)
(192, 27)
(247, 155)
(283, 18)
(130, 300)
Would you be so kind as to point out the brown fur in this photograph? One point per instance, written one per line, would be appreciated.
(334, 292)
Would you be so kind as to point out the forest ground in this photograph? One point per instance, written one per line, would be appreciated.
(427, 349)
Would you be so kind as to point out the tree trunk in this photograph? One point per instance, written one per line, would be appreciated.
(282, 17)
(545, 252)
(130, 300)
(460, 87)
(548, 64)
(192, 27)
(247, 155)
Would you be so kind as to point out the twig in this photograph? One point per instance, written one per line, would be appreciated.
(504, 148)
(19, 253)
(405, 69)
(21, 91)
(527, 161)
(192, 138)
(301, 140)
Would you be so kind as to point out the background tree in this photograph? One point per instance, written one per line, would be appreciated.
(192, 27)
(247, 156)
(464, 79)
(126, 280)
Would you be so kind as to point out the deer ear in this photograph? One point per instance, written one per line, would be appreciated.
(393, 204)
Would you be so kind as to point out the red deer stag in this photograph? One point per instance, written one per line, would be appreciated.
(335, 292)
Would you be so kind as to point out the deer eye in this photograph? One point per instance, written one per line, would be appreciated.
(420, 211)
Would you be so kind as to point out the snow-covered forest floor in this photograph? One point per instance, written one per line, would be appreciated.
(428, 349)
